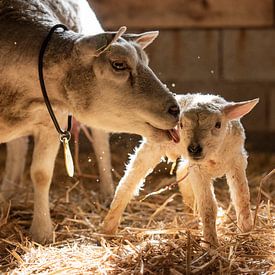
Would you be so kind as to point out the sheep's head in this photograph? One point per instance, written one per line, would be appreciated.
(204, 123)
(113, 88)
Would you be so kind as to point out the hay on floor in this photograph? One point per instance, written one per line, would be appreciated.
(158, 234)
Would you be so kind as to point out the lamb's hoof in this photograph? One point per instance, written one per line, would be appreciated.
(109, 229)
(41, 234)
(109, 226)
(246, 227)
(245, 224)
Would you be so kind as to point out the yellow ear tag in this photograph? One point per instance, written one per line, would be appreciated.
(69, 164)
(173, 167)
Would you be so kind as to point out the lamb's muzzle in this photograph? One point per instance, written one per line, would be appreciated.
(195, 150)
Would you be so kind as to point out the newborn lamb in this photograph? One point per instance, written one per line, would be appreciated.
(212, 145)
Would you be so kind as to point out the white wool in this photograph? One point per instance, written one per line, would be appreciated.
(88, 20)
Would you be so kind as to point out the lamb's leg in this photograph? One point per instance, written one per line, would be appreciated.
(46, 144)
(103, 155)
(206, 203)
(15, 165)
(239, 190)
(185, 185)
(140, 165)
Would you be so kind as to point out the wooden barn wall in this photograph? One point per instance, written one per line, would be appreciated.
(221, 46)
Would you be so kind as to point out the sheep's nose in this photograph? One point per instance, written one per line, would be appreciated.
(194, 150)
(174, 110)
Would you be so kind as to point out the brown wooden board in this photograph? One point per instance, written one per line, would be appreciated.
(183, 13)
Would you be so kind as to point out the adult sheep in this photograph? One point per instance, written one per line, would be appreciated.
(79, 17)
(111, 89)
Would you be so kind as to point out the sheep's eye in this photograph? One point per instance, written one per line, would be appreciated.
(181, 126)
(119, 66)
(218, 125)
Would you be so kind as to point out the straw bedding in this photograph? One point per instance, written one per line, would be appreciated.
(158, 234)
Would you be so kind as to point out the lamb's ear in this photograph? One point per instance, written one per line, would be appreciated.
(239, 109)
(143, 39)
(95, 45)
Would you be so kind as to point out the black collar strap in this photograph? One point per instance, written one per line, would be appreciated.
(63, 133)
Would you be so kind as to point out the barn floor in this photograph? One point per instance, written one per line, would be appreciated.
(158, 234)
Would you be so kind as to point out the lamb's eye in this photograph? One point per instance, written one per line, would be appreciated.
(119, 66)
(218, 125)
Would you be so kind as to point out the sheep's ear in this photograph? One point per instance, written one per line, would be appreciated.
(143, 39)
(95, 45)
(239, 109)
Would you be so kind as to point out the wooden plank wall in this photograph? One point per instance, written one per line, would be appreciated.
(184, 13)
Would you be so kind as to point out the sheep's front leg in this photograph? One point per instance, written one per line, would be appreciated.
(103, 155)
(15, 165)
(206, 203)
(239, 190)
(140, 165)
(46, 144)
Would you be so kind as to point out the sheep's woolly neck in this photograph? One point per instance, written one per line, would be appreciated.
(38, 12)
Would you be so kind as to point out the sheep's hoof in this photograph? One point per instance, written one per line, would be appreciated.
(106, 196)
(42, 234)
(105, 200)
(3, 200)
(7, 195)
(4, 209)
(211, 243)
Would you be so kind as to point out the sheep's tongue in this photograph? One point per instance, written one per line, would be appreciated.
(174, 134)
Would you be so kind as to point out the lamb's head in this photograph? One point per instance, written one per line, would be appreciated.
(205, 121)
(113, 88)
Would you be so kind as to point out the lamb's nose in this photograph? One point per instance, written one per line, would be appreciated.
(174, 110)
(194, 150)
